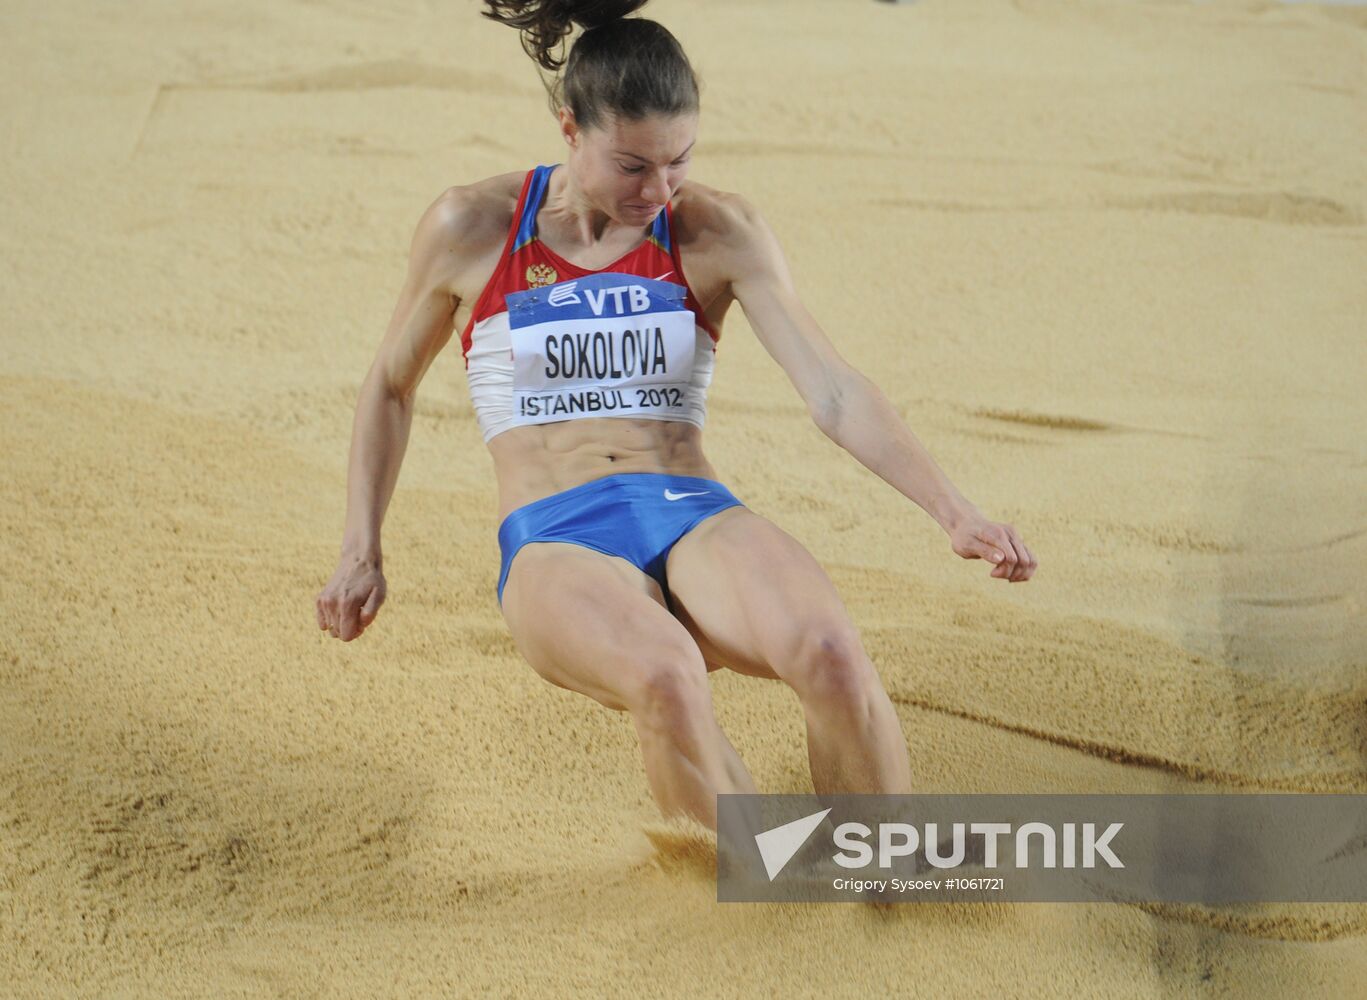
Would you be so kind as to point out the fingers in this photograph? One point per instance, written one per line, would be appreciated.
(1003, 540)
(326, 614)
(1017, 555)
(1001, 545)
(1030, 564)
(1019, 564)
(1000, 550)
(347, 625)
(978, 547)
(1025, 562)
(345, 618)
(325, 609)
(371, 607)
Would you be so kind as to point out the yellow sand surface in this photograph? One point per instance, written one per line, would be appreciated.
(1107, 259)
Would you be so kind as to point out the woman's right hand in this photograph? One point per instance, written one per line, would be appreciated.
(351, 600)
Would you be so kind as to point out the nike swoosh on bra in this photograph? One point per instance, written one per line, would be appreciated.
(671, 495)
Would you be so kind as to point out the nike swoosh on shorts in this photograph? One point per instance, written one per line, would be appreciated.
(671, 495)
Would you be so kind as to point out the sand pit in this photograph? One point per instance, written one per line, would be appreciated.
(1106, 258)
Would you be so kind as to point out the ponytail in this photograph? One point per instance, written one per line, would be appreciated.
(629, 67)
(545, 23)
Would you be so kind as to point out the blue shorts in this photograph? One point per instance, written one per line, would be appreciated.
(636, 515)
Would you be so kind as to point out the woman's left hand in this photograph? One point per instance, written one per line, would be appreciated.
(975, 537)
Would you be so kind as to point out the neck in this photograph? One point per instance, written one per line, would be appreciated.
(566, 200)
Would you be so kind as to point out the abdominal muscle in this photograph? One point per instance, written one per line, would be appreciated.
(536, 461)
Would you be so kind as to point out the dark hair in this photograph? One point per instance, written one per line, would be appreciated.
(629, 67)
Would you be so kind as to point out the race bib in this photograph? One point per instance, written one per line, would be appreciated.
(601, 345)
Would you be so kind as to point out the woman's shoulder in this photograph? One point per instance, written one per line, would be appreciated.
(479, 209)
(704, 215)
(706, 204)
(461, 233)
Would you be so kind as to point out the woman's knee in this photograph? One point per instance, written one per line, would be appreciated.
(831, 667)
(669, 691)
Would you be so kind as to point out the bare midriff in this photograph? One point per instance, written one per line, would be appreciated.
(536, 461)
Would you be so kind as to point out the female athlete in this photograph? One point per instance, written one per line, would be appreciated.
(591, 297)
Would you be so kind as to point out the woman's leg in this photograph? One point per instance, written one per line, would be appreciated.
(596, 624)
(754, 599)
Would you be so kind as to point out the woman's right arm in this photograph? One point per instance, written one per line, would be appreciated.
(420, 327)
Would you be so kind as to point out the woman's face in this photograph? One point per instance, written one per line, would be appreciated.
(630, 168)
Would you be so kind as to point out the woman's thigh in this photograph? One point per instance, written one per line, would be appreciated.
(752, 597)
(593, 623)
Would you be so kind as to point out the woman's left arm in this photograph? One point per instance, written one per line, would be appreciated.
(847, 406)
